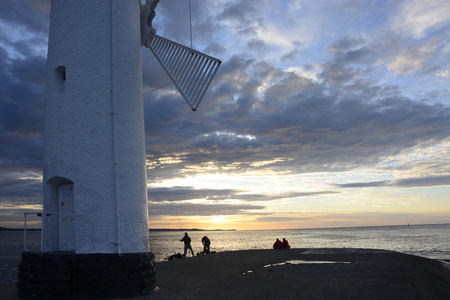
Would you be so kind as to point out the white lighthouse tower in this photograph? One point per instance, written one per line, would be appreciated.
(95, 215)
(94, 140)
(95, 220)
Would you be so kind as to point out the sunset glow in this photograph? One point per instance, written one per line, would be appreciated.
(323, 114)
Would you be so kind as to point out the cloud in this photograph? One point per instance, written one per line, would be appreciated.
(307, 125)
(334, 220)
(21, 111)
(19, 192)
(271, 219)
(195, 209)
(413, 58)
(21, 34)
(175, 194)
(445, 74)
(416, 17)
(364, 218)
(405, 182)
(303, 89)
(188, 201)
(364, 184)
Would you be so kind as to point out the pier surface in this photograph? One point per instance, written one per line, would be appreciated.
(298, 274)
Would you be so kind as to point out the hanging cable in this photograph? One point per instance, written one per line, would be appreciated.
(190, 20)
(157, 88)
(190, 30)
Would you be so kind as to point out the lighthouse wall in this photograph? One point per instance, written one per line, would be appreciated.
(94, 173)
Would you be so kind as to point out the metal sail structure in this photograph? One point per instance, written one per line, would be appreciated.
(190, 71)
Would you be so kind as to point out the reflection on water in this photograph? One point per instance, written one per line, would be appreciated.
(274, 265)
(298, 262)
(302, 262)
(430, 241)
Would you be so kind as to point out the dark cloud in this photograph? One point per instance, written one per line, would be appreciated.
(365, 184)
(175, 23)
(340, 220)
(22, 88)
(292, 55)
(31, 70)
(406, 182)
(166, 194)
(246, 14)
(31, 16)
(195, 209)
(310, 126)
(21, 112)
(271, 219)
(256, 116)
(17, 191)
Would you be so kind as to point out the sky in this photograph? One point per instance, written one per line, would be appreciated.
(324, 113)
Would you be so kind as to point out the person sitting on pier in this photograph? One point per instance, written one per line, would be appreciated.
(285, 244)
(278, 244)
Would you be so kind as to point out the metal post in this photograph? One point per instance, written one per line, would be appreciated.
(25, 233)
(42, 232)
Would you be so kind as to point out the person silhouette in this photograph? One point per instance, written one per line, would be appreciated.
(187, 244)
(206, 243)
(278, 244)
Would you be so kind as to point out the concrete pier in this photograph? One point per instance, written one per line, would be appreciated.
(297, 274)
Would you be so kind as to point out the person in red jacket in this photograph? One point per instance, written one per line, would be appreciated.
(278, 244)
(285, 244)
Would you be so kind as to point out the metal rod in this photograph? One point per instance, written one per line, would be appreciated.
(114, 128)
(202, 80)
(199, 79)
(191, 71)
(195, 68)
(208, 83)
(42, 232)
(178, 63)
(25, 233)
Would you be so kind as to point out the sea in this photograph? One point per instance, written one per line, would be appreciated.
(431, 241)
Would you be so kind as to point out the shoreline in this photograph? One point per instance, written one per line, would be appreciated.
(319, 273)
(341, 273)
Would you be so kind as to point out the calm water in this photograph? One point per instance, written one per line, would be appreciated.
(432, 241)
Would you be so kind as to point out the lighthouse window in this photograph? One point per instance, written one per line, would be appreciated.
(60, 78)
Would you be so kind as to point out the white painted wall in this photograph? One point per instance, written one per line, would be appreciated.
(102, 65)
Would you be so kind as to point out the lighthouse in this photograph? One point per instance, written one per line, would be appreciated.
(95, 215)
(94, 169)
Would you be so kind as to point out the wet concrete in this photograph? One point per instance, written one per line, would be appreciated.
(297, 274)
(303, 274)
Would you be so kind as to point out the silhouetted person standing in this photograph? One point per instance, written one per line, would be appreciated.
(187, 244)
(206, 242)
